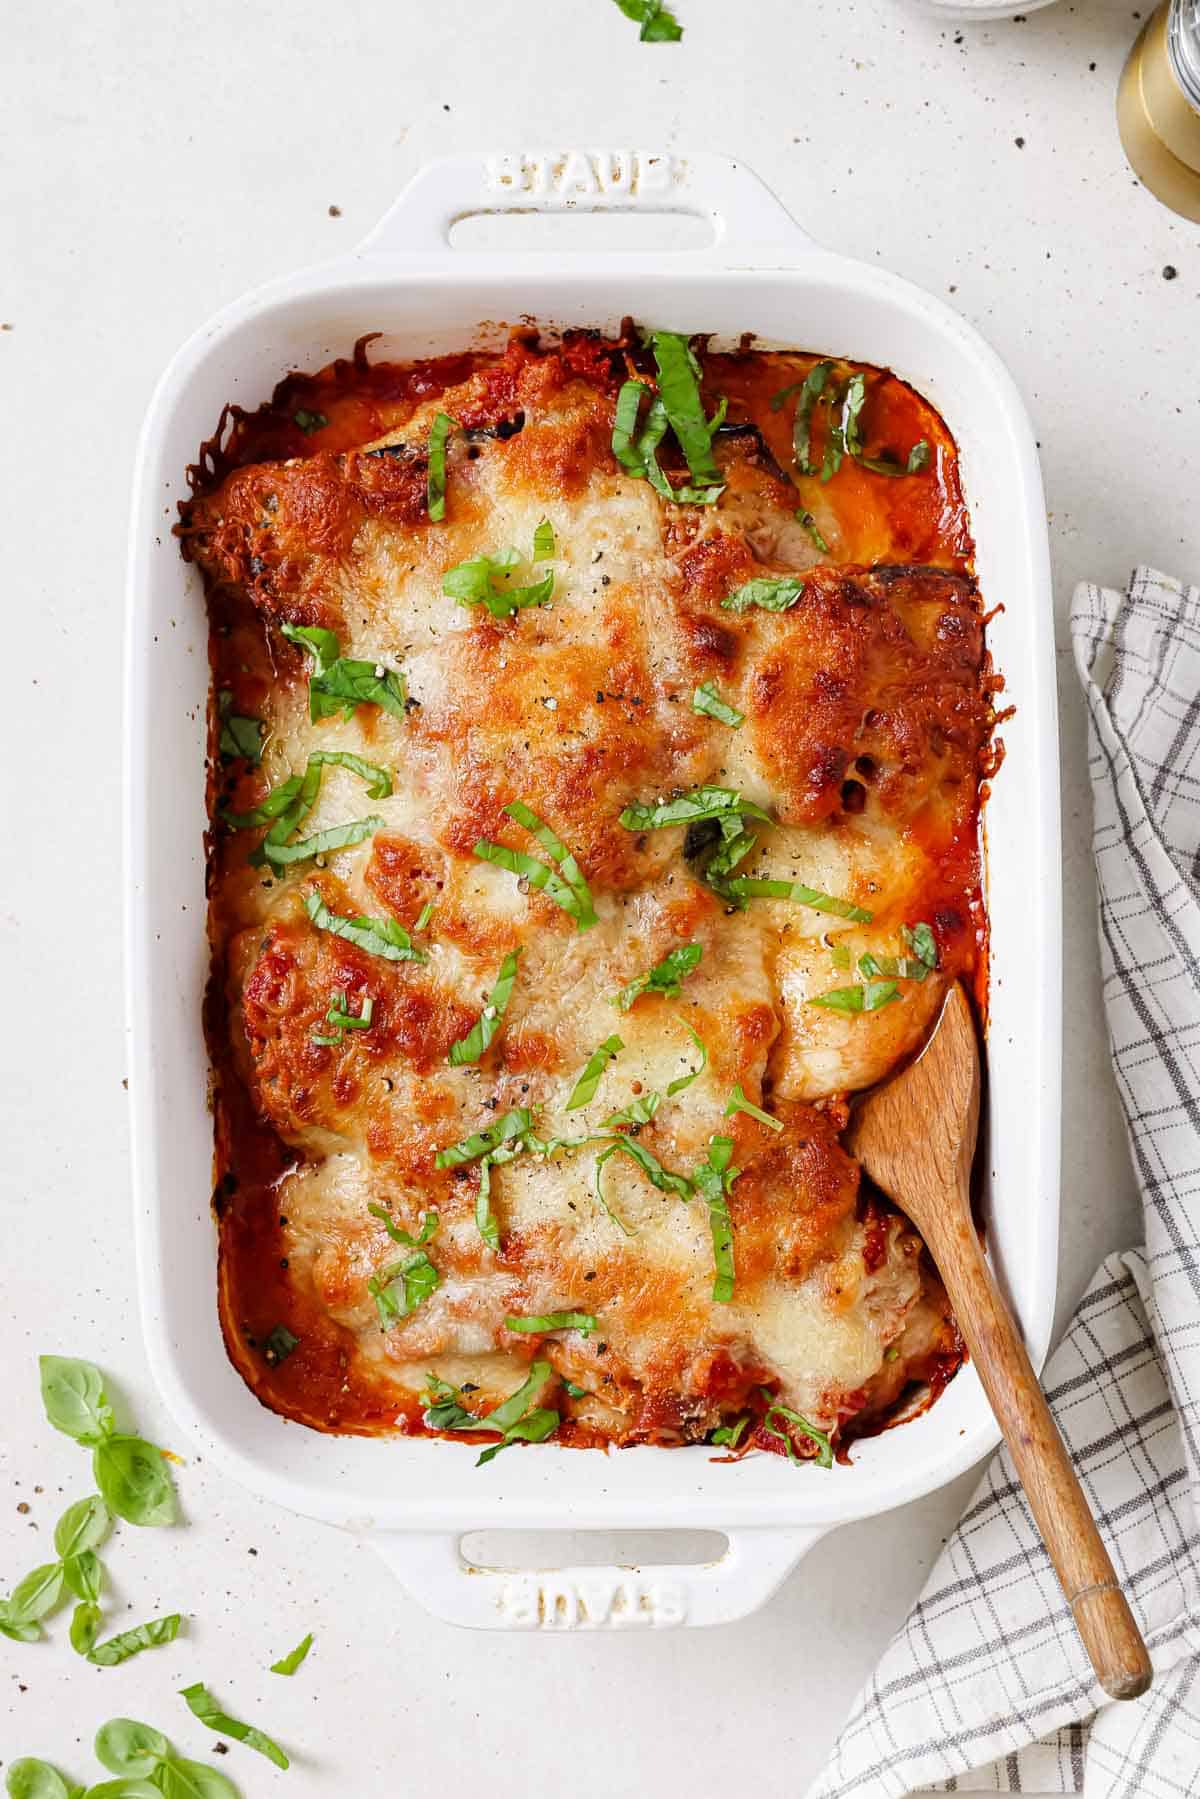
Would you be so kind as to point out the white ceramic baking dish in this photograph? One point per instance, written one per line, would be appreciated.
(761, 274)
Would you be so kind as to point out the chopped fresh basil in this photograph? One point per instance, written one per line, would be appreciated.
(131, 1642)
(624, 446)
(743, 888)
(424, 916)
(713, 1180)
(921, 941)
(772, 593)
(203, 1706)
(901, 968)
(659, 24)
(638, 1112)
(665, 1179)
(839, 955)
(810, 391)
(824, 1455)
(428, 1229)
(584, 1090)
(343, 1021)
(439, 431)
(693, 1074)
(707, 699)
(688, 808)
(378, 780)
(516, 1419)
(288, 804)
(566, 885)
(337, 837)
(810, 525)
(340, 683)
(665, 977)
(730, 1435)
(309, 421)
(287, 1664)
(400, 1288)
(679, 391)
(509, 1127)
(583, 1322)
(278, 1345)
(239, 736)
(543, 541)
(134, 1480)
(856, 393)
(637, 451)
(486, 1222)
(737, 1102)
(866, 998)
(478, 582)
(378, 936)
(575, 1392)
(483, 1031)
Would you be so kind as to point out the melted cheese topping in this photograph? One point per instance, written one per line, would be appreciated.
(866, 713)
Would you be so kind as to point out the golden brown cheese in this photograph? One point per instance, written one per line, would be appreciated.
(867, 713)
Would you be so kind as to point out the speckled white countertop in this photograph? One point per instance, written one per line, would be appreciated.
(159, 160)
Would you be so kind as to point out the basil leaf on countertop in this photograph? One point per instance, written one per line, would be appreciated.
(665, 977)
(124, 1746)
(85, 1627)
(585, 1087)
(483, 1031)
(659, 24)
(203, 1706)
(134, 1480)
(74, 1397)
(83, 1525)
(131, 1642)
(37, 1595)
(30, 1778)
(288, 1664)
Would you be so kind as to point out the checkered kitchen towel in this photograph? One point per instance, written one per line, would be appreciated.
(987, 1688)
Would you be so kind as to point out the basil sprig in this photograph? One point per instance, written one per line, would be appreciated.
(706, 699)
(288, 1664)
(439, 431)
(690, 808)
(584, 1090)
(483, 1031)
(824, 1455)
(202, 1705)
(564, 884)
(400, 1287)
(713, 1180)
(516, 1419)
(583, 1322)
(131, 1474)
(147, 1766)
(341, 683)
(771, 593)
(659, 24)
(384, 937)
(665, 977)
(737, 1102)
(868, 997)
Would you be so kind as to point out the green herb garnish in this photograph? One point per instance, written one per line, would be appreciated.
(340, 683)
(665, 977)
(743, 888)
(151, 1635)
(400, 1288)
(706, 699)
(584, 1090)
(508, 1128)
(428, 1229)
(713, 1180)
(543, 541)
(239, 736)
(824, 1455)
(690, 808)
(439, 431)
(278, 1345)
(659, 24)
(483, 1031)
(810, 391)
(130, 1473)
(679, 391)
(583, 1322)
(565, 884)
(693, 1074)
(480, 581)
(771, 593)
(866, 998)
(203, 1706)
(810, 525)
(856, 393)
(378, 936)
(737, 1102)
(424, 916)
(730, 1435)
(287, 1664)
(309, 421)
(516, 1419)
(921, 941)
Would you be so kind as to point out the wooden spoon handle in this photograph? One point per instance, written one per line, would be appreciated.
(1100, 1609)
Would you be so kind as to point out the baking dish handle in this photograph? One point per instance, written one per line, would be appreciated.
(751, 228)
(432, 1568)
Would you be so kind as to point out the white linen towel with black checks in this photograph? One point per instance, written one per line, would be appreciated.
(987, 1688)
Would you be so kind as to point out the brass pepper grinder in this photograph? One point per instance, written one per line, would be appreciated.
(1158, 106)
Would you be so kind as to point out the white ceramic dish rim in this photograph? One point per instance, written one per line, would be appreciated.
(416, 1497)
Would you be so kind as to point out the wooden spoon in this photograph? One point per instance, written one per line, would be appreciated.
(915, 1136)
